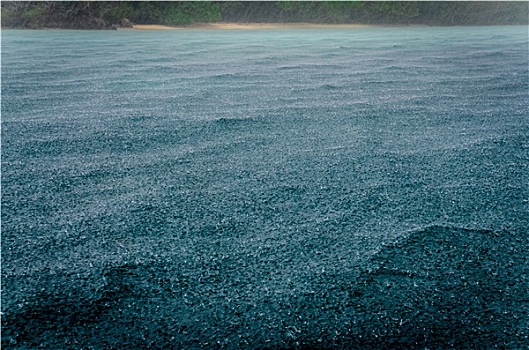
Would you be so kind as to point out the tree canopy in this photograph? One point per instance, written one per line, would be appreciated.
(112, 14)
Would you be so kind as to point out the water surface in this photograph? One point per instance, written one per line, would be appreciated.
(191, 188)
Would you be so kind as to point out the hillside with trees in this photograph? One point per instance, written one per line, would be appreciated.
(115, 14)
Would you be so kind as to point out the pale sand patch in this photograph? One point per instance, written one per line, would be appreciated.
(152, 27)
(246, 26)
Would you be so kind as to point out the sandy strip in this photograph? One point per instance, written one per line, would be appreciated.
(247, 26)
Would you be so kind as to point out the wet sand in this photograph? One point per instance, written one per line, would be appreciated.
(253, 26)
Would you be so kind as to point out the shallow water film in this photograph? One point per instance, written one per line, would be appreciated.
(278, 189)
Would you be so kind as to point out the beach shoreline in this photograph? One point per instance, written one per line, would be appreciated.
(249, 26)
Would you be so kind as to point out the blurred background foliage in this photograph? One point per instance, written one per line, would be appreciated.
(112, 14)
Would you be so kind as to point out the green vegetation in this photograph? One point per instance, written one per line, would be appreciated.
(112, 14)
(327, 12)
(175, 13)
(402, 11)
